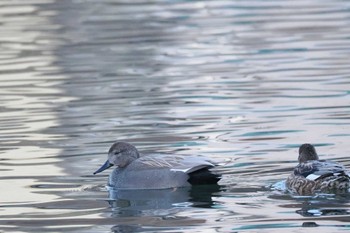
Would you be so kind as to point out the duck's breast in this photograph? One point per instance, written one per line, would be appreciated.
(147, 179)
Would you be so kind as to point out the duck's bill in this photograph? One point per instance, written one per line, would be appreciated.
(105, 166)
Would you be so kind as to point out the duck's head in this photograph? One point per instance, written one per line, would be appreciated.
(307, 152)
(121, 154)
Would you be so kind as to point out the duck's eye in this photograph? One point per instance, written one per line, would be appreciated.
(119, 152)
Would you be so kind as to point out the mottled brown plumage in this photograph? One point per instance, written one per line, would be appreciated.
(312, 175)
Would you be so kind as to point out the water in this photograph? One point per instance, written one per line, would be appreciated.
(245, 81)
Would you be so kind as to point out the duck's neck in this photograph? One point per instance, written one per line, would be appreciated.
(304, 157)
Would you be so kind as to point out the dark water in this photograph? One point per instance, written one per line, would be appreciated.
(246, 81)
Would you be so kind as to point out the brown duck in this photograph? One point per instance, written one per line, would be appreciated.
(312, 175)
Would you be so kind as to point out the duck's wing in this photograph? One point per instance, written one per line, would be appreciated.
(317, 169)
(183, 163)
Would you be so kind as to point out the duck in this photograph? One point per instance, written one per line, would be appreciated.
(312, 175)
(133, 170)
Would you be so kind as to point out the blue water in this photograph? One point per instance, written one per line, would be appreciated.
(240, 81)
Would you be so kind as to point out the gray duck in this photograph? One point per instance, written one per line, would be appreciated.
(155, 171)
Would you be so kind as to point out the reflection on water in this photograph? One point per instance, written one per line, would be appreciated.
(160, 202)
(246, 81)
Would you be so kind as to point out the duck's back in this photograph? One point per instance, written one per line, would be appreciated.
(159, 171)
(319, 169)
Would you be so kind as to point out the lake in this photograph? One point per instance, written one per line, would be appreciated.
(245, 82)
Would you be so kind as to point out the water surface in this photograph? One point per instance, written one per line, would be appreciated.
(243, 81)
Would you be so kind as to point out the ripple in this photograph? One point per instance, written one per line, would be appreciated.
(239, 81)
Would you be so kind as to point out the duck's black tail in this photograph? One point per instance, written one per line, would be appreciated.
(203, 176)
